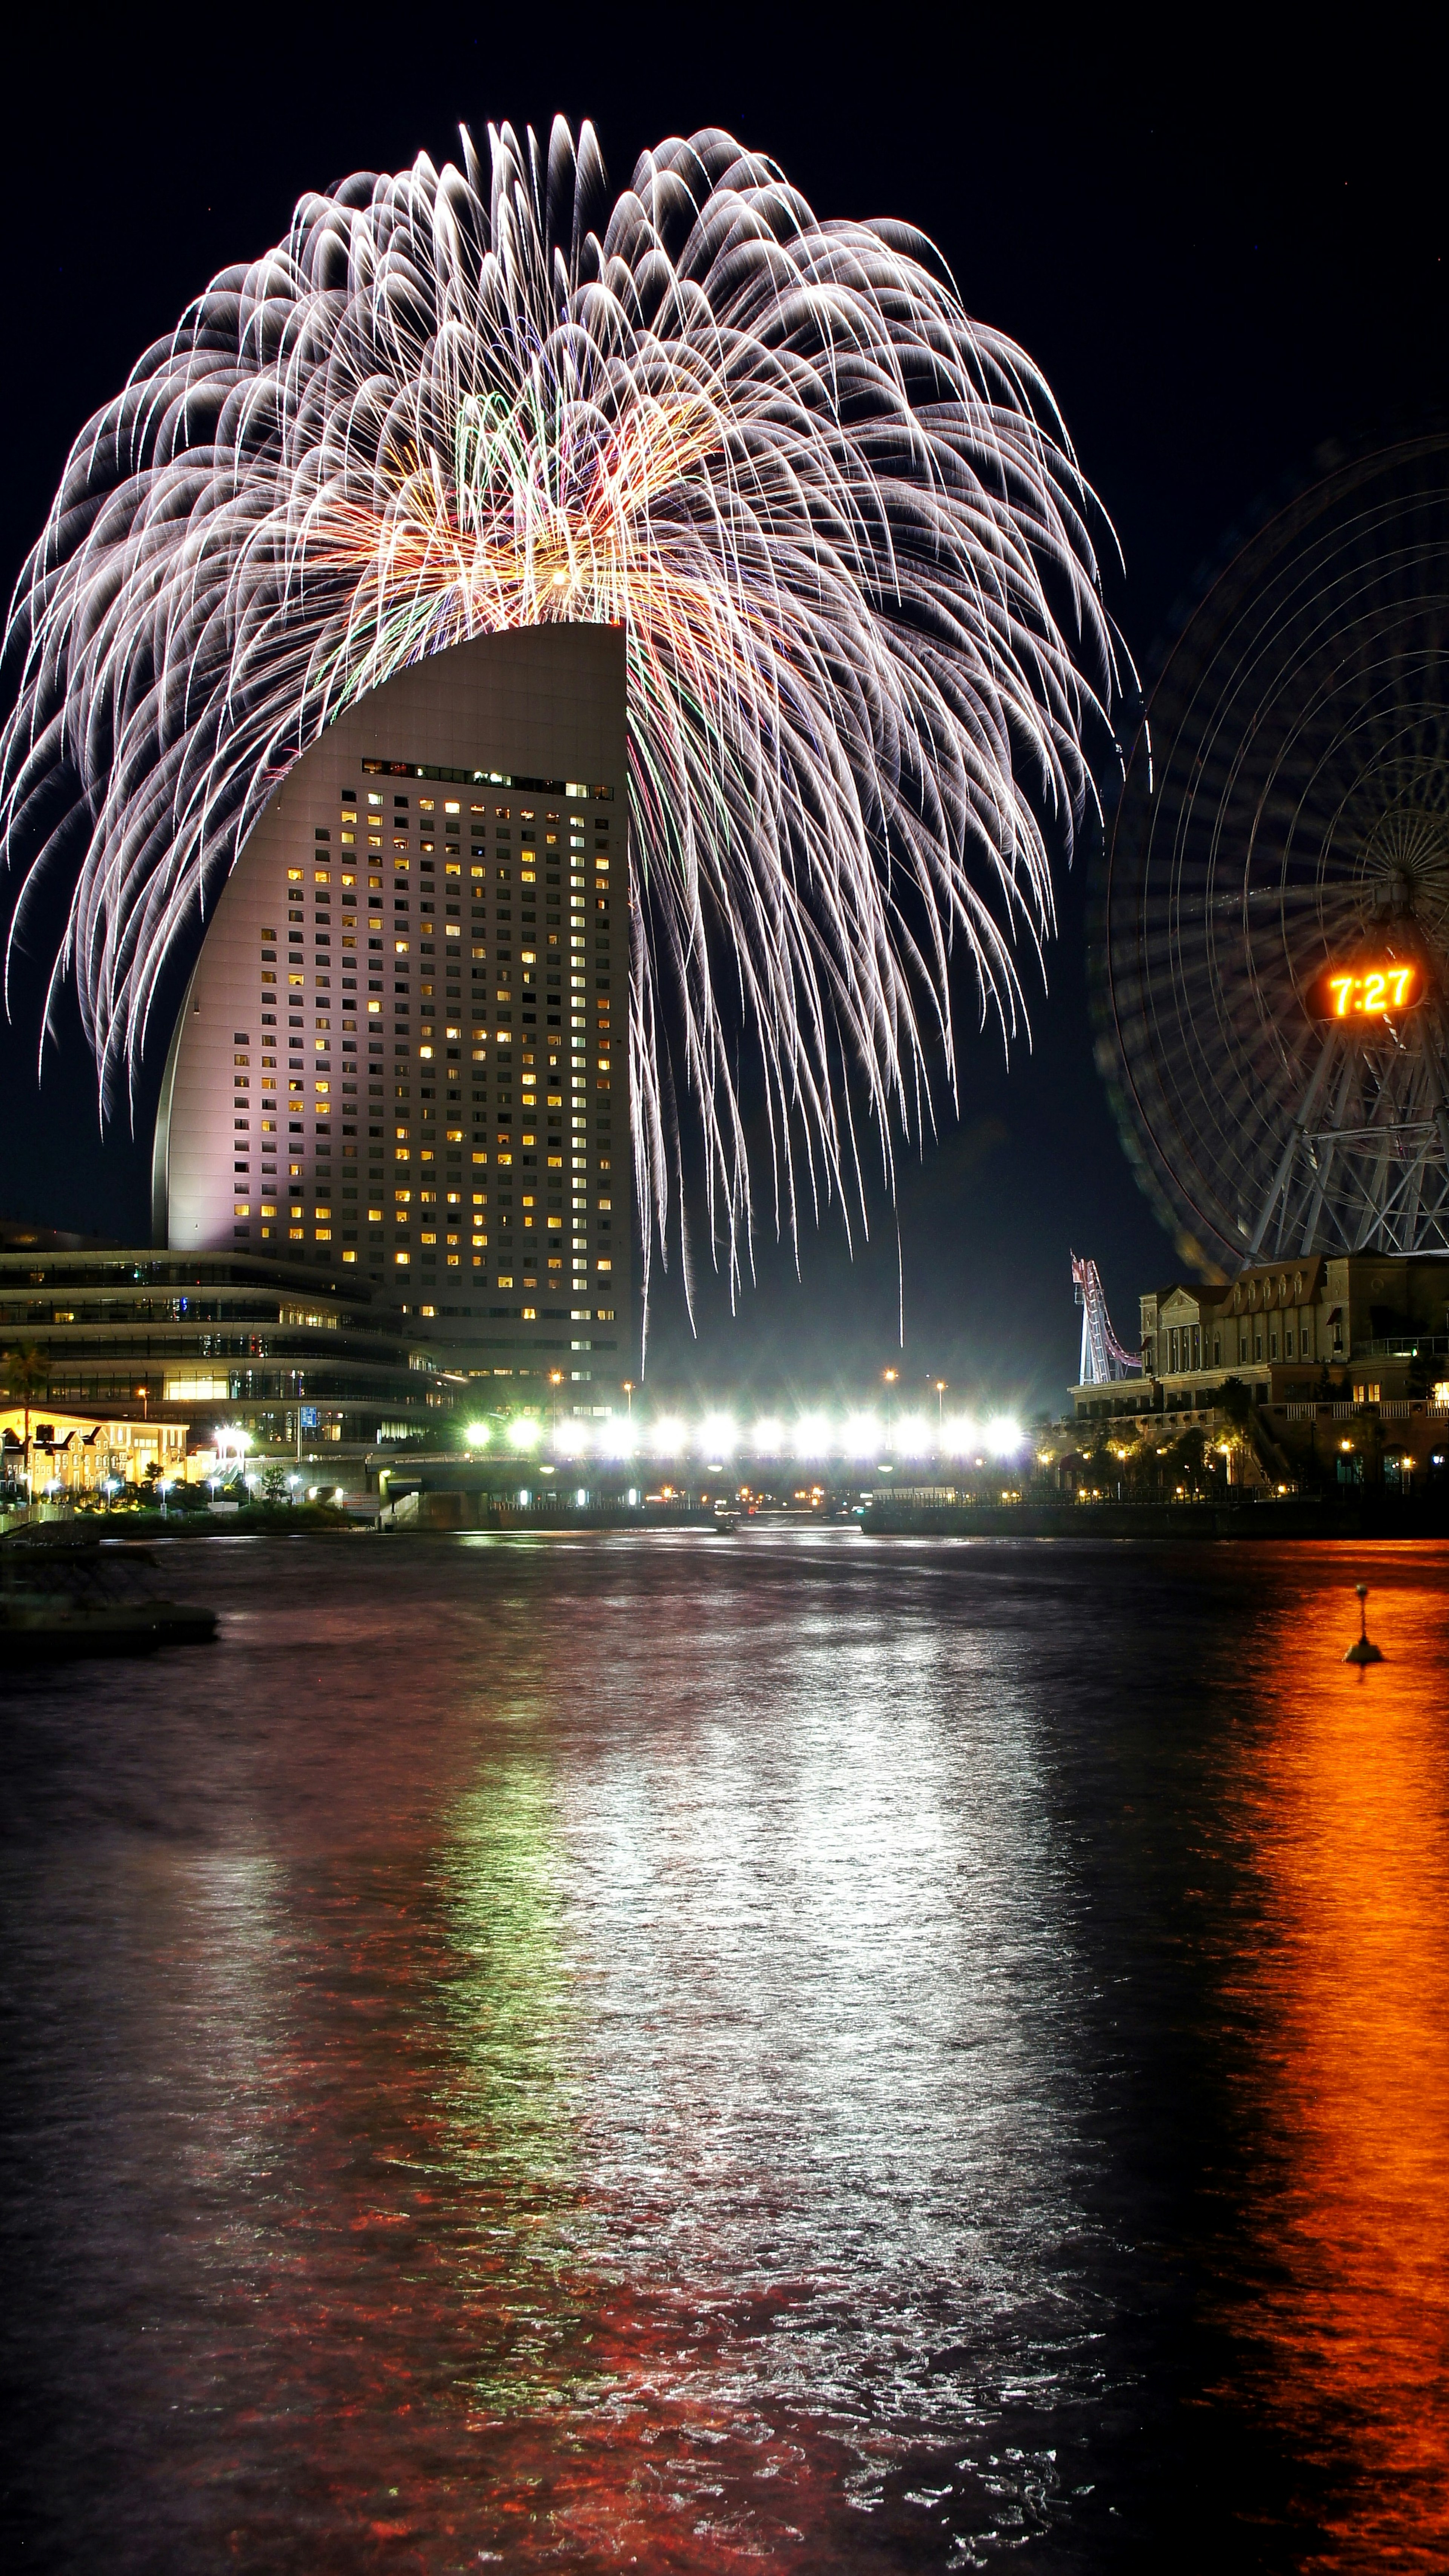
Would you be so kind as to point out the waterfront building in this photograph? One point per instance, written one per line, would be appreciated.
(1343, 1357)
(396, 1064)
(79, 1453)
(307, 1365)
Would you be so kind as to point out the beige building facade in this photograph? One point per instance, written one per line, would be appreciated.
(77, 1453)
(1345, 1359)
(1362, 1326)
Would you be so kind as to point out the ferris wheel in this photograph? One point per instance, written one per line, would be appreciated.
(1271, 952)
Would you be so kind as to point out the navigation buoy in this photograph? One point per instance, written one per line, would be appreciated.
(1363, 1650)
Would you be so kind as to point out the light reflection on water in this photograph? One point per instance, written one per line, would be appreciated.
(797, 2052)
(1346, 1791)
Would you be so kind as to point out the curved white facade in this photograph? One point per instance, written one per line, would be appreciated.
(397, 1055)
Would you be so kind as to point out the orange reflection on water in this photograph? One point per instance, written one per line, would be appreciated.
(1352, 1990)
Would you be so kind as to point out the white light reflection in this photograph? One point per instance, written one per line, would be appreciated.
(820, 1874)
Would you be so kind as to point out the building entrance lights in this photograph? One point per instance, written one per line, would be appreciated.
(523, 1432)
(669, 1436)
(912, 1436)
(478, 1435)
(862, 1436)
(718, 1437)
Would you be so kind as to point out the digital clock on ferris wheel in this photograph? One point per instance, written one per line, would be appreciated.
(1367, 992)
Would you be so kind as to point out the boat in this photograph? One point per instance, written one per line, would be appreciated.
(63, 1593)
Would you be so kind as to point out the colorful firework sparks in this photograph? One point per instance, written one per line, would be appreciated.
(841, 523)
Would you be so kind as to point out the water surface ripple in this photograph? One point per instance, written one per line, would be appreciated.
(785, 2053)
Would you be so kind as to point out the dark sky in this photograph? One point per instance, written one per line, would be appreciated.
(1221, 251)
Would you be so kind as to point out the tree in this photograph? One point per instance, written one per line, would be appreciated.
(26, 1372)
(1235, 1401)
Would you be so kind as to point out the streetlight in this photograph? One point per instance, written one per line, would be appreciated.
(941, 1385)
(629, 1399)
(889, 1377)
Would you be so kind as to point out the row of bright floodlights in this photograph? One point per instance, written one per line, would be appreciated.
(811, 1439)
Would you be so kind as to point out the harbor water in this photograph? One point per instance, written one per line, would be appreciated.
(789, 2052)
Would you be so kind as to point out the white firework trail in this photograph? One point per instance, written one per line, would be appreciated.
(841, 523)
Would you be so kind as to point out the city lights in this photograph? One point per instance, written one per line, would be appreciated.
(855, 1439)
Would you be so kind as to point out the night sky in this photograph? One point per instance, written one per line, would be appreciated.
(1221, 258)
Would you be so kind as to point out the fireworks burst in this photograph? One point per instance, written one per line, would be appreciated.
(841, 523)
